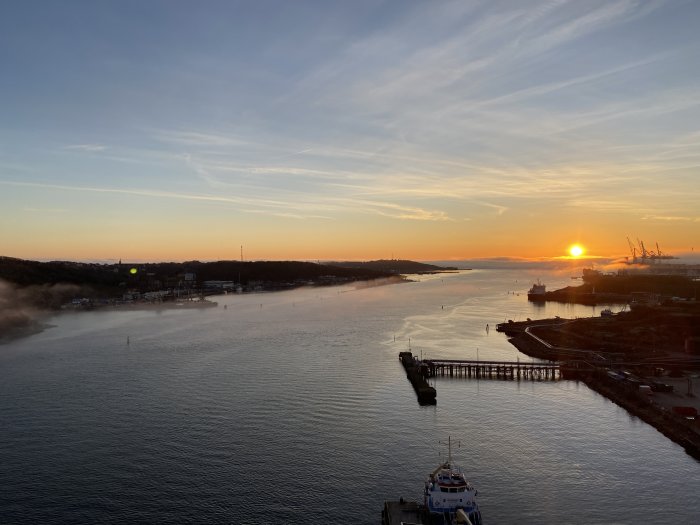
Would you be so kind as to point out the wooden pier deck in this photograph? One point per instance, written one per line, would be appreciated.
(505, 370)
(418, 372)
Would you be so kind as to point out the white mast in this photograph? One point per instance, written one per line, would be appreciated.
(449, 449)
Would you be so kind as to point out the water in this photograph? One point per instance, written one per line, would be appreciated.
(292, 407)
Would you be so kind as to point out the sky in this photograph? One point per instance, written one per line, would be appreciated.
(320, 130)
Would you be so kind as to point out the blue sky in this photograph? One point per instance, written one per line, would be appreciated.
(430, 130)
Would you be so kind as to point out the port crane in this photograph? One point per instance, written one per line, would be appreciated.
(646, 256)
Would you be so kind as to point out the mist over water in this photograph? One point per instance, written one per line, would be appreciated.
(292, 407)
(21, 308)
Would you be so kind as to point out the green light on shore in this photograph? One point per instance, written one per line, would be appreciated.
(133, 271)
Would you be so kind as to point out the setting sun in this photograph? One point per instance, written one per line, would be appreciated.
(576, 250)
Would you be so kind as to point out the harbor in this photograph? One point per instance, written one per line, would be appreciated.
(660, 388)
(656, 385)
(205, 385)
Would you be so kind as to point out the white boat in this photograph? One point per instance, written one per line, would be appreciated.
(449, 496)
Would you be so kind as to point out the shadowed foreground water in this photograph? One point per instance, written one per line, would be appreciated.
(293, 408)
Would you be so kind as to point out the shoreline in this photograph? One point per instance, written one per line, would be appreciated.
(675, 428)
(681, 431)
(28, 327)
(163, 305)
(20, 332)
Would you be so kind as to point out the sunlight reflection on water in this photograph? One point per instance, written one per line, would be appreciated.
(294, 403)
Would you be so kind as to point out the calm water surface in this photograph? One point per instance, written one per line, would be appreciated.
(292, 407)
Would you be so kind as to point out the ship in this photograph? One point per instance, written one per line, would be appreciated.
(537, 292)
(449, 497)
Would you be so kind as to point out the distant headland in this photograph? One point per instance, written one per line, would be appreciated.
(395, 266)
(27, 287)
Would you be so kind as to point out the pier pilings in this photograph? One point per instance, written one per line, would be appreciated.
(504, 370)
(418, 372)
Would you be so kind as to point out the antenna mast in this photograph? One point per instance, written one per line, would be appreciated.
(449, 449)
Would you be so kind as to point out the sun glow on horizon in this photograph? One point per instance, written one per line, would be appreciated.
(576, 250)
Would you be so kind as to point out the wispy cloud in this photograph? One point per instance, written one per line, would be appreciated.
(197, 138)
(670, 218)
(45, 210)
(599, 204)
(500, 210)
(302, 208)
(152, 194)
(435, 112)
(91, 148)
(397, 211)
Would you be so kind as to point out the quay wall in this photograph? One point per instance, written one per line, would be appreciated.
(684, 432)
(529, 346)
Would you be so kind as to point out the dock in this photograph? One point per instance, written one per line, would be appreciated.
(417, 373)
(505, 370)
(411, 513)
(404, 513)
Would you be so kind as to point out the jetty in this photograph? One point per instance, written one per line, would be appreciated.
(417, 374)
(513, 370)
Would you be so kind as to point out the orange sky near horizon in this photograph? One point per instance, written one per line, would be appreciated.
(376, 239)
(358, 138)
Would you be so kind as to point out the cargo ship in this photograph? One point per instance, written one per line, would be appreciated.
(537, 292)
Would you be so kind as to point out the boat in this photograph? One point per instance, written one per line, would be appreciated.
(449, 497)
(537, 292)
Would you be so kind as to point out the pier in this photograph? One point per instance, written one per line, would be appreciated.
(418, 372)
(505, 370)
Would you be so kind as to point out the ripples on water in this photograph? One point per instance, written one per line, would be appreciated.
(292, 408)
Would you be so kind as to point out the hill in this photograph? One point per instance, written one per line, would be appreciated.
(394, 266)
(108, 279)
(30, 286)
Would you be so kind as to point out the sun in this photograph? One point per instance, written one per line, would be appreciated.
(576, 250)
